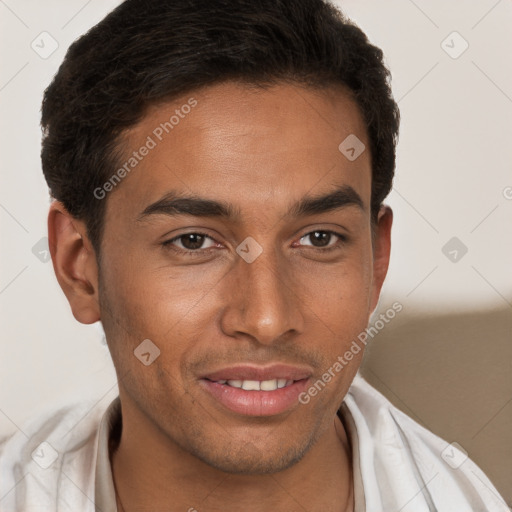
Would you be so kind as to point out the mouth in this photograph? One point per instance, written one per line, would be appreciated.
(257, 385)
(257, 391)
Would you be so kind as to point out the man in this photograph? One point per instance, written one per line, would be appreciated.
(218, 172)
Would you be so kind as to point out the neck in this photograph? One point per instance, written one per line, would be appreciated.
(154, 472)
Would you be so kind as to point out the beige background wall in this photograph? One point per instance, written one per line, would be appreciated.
(446, 359)
(452, 374)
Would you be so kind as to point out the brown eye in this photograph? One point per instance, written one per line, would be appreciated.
(322, 238)
(192, 241)
(189, 242)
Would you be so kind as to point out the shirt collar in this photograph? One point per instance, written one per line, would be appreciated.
(110, 427)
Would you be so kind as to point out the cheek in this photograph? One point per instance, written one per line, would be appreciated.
(339, 291)
(339, 303)
(149, 294)
(169, 306)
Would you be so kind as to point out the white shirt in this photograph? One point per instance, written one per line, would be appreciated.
(60, 462)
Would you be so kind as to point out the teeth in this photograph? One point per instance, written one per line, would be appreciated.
(251, 385)
(268, 385)
(257, 385)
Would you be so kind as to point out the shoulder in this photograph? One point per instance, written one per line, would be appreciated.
(403, 461)
(58, 444)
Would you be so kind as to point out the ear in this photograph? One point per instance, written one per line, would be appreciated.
(74, 263)
(381, 252)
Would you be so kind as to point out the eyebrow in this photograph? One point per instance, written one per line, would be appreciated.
(175, 203)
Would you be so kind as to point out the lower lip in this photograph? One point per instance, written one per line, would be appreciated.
(256, 403)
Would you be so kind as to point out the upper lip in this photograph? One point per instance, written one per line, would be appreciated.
(261, 373)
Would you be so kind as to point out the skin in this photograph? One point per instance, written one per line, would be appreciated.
(262, 150)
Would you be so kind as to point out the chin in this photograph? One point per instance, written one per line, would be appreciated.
(248, 459)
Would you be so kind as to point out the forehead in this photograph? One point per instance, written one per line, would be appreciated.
(243, 145)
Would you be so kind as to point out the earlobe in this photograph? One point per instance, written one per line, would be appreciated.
(381, 252)
(74, 263)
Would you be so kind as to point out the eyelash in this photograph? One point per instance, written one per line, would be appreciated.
(201, 252)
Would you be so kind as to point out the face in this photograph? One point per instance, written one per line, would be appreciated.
(275, 291)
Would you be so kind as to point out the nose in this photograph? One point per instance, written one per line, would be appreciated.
(262, 301)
